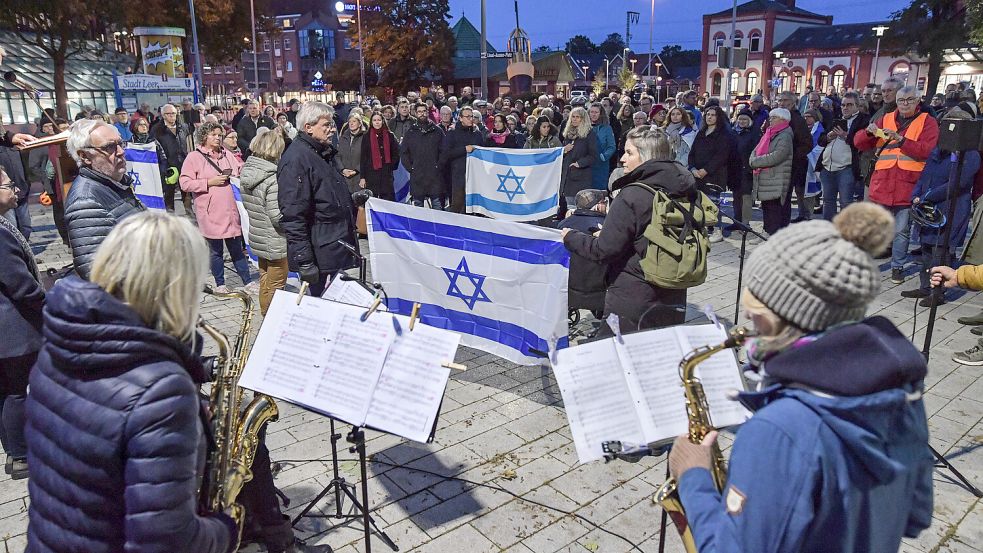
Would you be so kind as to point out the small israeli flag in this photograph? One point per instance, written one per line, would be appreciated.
(501, 285)
(142, 165)
(514, 185)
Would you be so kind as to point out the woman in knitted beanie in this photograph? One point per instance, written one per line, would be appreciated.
(836, 456)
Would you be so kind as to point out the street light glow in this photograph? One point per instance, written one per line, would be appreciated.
(339, 7)
(879, 30)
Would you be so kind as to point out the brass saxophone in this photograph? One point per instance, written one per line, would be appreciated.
(698, 412)
(235, 430)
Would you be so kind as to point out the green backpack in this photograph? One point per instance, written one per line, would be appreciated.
(678, 246)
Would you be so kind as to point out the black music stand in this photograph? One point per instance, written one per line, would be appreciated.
(745, 229)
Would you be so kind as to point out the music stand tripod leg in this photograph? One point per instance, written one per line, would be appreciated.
(942, 462)
(337, 484)
(357, 437)
(665, 514)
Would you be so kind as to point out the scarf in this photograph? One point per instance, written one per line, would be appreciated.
(375, 137)
(498, 137)
(765, 143)
(28, 254)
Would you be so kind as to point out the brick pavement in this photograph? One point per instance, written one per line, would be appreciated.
(517, 485)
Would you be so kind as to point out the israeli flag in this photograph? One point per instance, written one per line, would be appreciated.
(514, 185)
(293, 279)
(401, 183)
(501, 285)
(142, 165)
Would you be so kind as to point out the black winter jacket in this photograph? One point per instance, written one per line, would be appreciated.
(587, 283)
(94, 205)
(114, 434)
(712, 153)
(246, 130)
(453, 155)
(622, 244)
(21, 297)
(420, 152)
(584, 154)
(175, 147)
(316, 205)
(379, 181)
(746, 141)
(401, 125)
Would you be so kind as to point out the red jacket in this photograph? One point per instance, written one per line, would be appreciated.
(892, 187)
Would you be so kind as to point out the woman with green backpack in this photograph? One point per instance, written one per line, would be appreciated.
(654, 240)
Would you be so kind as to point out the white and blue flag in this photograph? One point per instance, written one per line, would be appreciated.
(142, 165)
(515, 185)
(501, 285)
(401, 183)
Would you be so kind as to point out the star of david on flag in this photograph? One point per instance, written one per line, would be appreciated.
(515, 185)
(454, 290)
(501, 285)
(511, 193)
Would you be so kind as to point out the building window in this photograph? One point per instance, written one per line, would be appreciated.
(276, 43)
(715, 85)
(266, 45)
(735, 81)
(838, 77)
(717, 44)
(755, 41)
(279, 65)
(752, 83)
(290, 66)
(797, 82)
(207, 69)
(286, 23)
(348, 43)
(287, 43)
(318, 44)
(738, 39)
(823, 80)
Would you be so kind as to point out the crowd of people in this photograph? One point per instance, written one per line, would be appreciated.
(101, 481)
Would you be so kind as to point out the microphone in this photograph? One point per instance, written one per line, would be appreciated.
(349, 247)
(10, 76)
(361, 196)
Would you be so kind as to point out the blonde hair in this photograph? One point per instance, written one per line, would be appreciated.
(582, 130)
(268, 146)
(128, 266)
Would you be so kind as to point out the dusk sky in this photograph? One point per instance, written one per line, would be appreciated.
(553, 22)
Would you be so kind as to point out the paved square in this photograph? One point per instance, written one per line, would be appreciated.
(502, 474)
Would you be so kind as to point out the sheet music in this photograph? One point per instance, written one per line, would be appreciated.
(350, 292)
(651, 364)
(319, 354)
(596, 398)
(719, 374)
(411, 386)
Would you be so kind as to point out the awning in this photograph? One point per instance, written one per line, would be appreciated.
(90, 70)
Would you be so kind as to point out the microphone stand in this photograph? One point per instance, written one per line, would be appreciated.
(11, 77)
(745, 228)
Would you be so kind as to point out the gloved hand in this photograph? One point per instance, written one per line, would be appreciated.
(309, 273)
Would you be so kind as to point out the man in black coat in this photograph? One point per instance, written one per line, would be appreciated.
(172, 135)
(420, 154)
(588, 279)
(453, 155)
(318, 213)
(801, 146)
(246, 129)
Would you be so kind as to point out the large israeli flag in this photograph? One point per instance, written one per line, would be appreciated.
(515, 185)
(142, 165)
(502, 285)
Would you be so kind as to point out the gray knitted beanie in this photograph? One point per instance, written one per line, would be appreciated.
(816, 274)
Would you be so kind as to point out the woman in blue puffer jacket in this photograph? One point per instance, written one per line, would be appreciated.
(114, 423)
(606, 146)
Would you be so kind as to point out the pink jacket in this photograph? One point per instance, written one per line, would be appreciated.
(215, 206)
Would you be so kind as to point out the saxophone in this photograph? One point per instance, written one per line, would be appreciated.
(235, 430)
(698, 412)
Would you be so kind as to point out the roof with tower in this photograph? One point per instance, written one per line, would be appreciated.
(468, 39)
(764, 6)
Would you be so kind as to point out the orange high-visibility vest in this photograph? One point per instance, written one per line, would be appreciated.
(892, 155)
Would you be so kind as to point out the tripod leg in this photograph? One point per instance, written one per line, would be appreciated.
(311, 505)
(944, 463)
(665, 514)
(740, 276)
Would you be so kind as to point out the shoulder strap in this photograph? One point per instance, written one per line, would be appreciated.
(209, 160)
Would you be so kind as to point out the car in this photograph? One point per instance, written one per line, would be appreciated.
(577, 94)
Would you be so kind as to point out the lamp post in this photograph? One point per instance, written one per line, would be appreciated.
(361, 50)
(658, 78)
(879, 31)
(252, 14)
(633, 60)
(778, 57)
(194, 39)
(584, 67)
(648, 68)
(607, 72)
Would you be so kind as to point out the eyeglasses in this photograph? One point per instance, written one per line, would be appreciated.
(9, 186)
(111, 148)
(467, 116)
(906, 100)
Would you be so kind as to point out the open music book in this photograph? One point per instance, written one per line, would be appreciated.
(59, 138)
(322, 356)
(632, 392)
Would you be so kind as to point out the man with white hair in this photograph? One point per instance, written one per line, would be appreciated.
(101, 195)
(318, 213)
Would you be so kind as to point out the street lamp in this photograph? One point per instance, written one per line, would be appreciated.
(252, 13)
(607, 72)
(658, 78)
(879, 31)
(633, 60)
(340, 7)
(585, 67)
